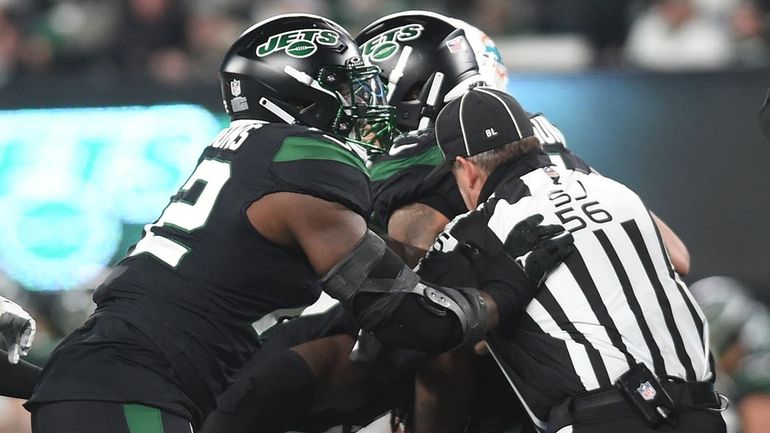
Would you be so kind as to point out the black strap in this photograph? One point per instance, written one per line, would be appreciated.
(595, 405)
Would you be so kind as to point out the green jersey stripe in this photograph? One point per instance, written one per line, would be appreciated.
(299, 148)
(143, 419)
(385, 169)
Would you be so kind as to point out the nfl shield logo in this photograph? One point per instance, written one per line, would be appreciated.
(456, 44)
(235, 87)
(646, 391)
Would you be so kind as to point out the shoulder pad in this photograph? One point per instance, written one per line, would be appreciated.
(314, 163)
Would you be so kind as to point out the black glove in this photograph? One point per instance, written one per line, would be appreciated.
(537, 248)
(546, 256)
(526, 234)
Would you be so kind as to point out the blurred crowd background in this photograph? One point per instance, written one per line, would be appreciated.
(181, 41)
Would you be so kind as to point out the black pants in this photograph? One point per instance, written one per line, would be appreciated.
(102, 417)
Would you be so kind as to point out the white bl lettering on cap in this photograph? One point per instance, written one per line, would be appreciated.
(490, 132)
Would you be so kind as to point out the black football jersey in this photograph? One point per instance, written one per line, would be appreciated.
(400, 178)
(201, 274)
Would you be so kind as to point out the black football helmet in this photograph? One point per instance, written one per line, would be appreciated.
(427, 59)
(306, 69)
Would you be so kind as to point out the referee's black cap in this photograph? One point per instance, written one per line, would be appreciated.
(482, 119)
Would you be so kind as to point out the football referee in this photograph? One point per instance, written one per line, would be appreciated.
(614, 341)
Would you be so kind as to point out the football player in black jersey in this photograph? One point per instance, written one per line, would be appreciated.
(427, 59)
(274, 213)
(335, 375)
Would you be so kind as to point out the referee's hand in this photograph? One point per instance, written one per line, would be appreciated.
(538, 249)
(17, 328)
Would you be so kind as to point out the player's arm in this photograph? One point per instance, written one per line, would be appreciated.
(416, 224)
(17, 380)
(385, 295)
(677, 250)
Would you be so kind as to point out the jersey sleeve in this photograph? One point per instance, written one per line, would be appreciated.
(401, 178)
(318, 165)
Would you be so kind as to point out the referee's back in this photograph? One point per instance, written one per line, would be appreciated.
(613, 314)
(615, 302)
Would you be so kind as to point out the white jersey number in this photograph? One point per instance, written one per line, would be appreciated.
(185, 216)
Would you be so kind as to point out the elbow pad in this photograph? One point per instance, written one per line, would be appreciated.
(372, 282)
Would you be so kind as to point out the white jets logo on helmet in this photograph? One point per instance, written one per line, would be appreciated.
(384, 46)
(298, 43)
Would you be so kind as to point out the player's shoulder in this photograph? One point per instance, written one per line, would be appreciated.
(312, 162)
(302, 144)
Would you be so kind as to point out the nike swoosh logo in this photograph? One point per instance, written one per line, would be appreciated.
(395, 150)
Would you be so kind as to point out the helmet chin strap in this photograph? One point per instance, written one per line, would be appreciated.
(435, 87)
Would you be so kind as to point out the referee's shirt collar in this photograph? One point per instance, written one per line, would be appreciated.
(513, 168)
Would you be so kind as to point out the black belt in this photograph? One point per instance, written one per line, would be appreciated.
(595, 405)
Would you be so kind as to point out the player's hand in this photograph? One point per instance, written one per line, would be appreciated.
(17, 328)
(481, 348)
(538, 249)
(546, 256)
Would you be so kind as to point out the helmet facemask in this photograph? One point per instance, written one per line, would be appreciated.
(364, 116)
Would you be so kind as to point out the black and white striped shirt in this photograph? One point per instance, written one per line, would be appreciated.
(614, 302)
